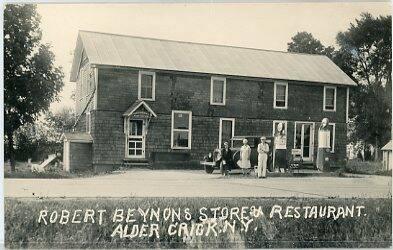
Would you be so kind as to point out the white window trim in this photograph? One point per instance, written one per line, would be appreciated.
(189, 128)
(278, 121)
(220, 129)
(332, 147)
(224, 89)
(324, 98)
(141, 72)
(282, 83)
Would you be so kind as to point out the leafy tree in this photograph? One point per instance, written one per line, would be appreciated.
(31, 80)
(304, 42)
(367, 44)
(61, 121)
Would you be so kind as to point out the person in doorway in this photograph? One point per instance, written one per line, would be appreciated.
(280, 148)
(263, 150)
(245, 152)
(226, 159)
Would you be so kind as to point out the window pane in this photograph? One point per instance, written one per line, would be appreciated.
(136, 127)
(280, 95)
(218, 91)
(180, 139)
(181, 121)
(329, 99)
(146, 86)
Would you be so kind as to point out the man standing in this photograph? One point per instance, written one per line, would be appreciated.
(263, 150)
(226, 159)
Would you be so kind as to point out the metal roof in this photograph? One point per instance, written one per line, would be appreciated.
(387, 147)
(77, 136)
(136, 105)
(151, 53)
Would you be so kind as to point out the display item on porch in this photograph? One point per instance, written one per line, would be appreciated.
(280, 147)
(263, 150)
(323, 145)
(245, 152)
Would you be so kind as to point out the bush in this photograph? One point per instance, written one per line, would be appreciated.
(357, 166)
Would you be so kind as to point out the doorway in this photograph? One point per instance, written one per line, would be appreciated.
(227, 130)
(304, 139)
(136, 138)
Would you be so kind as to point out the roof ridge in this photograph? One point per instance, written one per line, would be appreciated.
(199, 43)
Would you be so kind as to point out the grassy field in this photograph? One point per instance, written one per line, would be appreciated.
(372, 228)
(366, 167)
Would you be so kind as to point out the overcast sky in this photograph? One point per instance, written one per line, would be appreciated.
(257, 25)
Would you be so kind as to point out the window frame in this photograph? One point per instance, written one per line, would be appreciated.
(151, 73)
(189, 128)
(324, 98)
(278, 121)
(212, 79)
(282, 83)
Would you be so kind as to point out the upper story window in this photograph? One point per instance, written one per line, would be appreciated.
(217, 90)
(181, 129)
(329, 98)
(280, 95)
(147, 85)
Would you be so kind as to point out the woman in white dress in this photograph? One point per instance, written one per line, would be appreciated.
(245, 152)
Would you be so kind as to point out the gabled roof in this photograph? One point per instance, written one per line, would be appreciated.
(388, 146)
(150, 53)
(136, 105)
(77, 137)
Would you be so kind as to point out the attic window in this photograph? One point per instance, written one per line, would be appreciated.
(146, 85)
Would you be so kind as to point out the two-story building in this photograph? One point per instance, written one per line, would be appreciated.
(143, 100)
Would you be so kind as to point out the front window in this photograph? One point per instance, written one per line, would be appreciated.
(329, 101)
(280, 95)
(217, 91)
(146, 85)
(181, 129)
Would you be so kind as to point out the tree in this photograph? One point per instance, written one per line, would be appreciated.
(367, 45)
(31, 80)
(304, 42)
(61, 121)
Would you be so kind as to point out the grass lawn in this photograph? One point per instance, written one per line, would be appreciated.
(23, 171)
(367, 167)
(373, 228)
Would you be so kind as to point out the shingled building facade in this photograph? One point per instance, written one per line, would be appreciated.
(144, 100)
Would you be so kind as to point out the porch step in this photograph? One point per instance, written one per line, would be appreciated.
(135, 164)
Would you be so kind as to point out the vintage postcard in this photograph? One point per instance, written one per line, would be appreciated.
(197, 124)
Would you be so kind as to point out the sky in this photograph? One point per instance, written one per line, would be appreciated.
(254, 25)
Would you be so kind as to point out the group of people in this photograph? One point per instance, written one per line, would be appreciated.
(244, 162)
